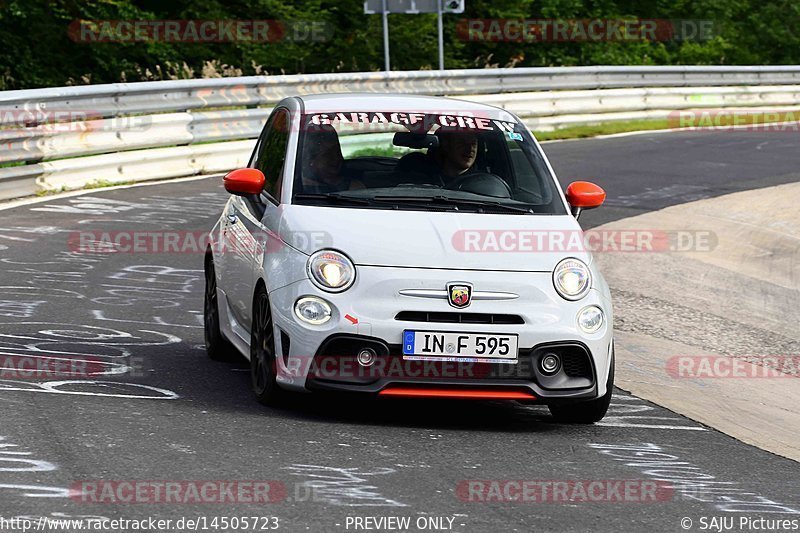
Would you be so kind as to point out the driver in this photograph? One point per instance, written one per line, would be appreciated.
(451, 165)
(443, 165)
(455, 154)
(323, 162)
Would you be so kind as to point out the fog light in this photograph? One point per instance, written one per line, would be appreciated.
(312, 310)
(590, 319)
(550, 364)
(366, 357)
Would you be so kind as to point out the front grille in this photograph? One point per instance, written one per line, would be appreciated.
(336, 363)
(345, 345)
(458, 318)
(576, 365)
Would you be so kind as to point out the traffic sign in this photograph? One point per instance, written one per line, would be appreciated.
(412, 7)
(408, 7)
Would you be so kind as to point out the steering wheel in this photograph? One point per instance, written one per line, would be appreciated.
(482, 183)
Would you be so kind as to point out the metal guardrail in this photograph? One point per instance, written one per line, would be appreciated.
(163, 96)
(149, 130)
(57, 141)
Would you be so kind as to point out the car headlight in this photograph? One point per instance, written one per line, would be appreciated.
(572, 279)
(313, 310)
(590, 319)
(331, 271)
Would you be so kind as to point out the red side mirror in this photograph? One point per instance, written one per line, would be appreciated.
(585, 195)
(244, 181)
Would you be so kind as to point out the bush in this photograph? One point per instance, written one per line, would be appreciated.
(36, 49)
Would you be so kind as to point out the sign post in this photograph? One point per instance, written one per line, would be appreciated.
(440, 29)
(385, 16)
(413, 7)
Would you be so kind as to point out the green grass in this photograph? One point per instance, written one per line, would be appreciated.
(386, 151)
(608, 128)
(100, 184)
(50, 192)
(97, 184)
(605, 128)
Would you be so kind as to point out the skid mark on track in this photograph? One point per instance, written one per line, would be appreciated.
(633, 412)
(689, 480)
(349, 487)
(16, 461)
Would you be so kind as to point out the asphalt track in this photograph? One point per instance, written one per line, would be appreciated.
(173, 414)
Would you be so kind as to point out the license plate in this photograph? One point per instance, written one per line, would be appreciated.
(472, 347)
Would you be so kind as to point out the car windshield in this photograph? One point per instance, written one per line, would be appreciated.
(418, 161)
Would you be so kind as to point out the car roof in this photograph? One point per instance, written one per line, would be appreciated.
(381, 102)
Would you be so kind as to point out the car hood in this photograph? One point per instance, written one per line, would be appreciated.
(426, 239)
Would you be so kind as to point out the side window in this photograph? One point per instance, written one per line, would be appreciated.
(527, 179)
(254, 156)
(272, 152)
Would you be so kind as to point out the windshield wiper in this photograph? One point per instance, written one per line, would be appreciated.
(333, 196)
(447, 200)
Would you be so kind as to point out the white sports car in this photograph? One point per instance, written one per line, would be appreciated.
(409, 246)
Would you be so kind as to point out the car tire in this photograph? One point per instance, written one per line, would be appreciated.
(586, 412)
(263, 369)
(217, 347)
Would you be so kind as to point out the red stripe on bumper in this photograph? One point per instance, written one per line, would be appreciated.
(473, 393)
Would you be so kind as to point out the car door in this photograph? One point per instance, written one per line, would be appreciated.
(226, 260)
(246, 234)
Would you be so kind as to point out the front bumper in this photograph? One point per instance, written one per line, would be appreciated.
(373, 313)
